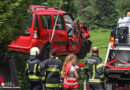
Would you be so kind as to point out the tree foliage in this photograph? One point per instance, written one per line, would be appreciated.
(122, 6)
(97, 13)
(13, 14)
(102, 13)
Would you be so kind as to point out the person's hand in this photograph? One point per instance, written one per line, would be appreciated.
(62, 76)
(105, 80)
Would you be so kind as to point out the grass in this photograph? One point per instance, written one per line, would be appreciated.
(99, 38)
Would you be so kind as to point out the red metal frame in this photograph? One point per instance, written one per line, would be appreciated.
(117, 68)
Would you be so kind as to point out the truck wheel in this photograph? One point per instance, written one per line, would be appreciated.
(44, 53)
(85, 48)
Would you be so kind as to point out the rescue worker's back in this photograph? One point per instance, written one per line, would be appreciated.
(32, 70)
(95, 70)
(53, 68)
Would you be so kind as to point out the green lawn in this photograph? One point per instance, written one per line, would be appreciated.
(99, 38)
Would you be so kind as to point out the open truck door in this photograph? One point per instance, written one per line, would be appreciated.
(73, 33)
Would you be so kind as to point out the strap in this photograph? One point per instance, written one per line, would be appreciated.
(35, 68)
(53, 69)
(68, 66)
(70, 78)
(99, 65)
(52, 85)
(34, 77)
(75, 83)
(43, 78)
(86, 66)
(57, 57)
(101, 76)
(95, 80)
(28, 68)
(93, 72)
(39, 68)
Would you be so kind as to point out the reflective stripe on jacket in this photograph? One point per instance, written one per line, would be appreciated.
(53, 69)
(70, 82)
(95, 69)
(33, 70)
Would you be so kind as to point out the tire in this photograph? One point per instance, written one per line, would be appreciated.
(85, 48)
(44, 53)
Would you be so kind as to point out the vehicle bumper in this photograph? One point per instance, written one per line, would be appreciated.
(23, 49)
(19, 48)
(123, 75)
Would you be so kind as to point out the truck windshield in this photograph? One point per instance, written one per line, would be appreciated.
(122, 34)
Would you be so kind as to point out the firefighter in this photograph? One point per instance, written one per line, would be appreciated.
(32, 70)
(95, 70)
(53, 68)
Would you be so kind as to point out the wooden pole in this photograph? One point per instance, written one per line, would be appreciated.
(80, 7)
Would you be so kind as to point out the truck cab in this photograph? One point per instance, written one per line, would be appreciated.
(69, 35)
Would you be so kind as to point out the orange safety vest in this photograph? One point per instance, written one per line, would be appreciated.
(70, 82)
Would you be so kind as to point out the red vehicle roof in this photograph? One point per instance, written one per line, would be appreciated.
(45, 9)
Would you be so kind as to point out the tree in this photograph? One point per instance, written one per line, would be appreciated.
(12, 20)
(67, 5)
(99, 13)
(122, 6)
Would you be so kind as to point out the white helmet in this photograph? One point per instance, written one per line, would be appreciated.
(34, 51)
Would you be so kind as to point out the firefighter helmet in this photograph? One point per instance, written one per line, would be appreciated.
(35, 51)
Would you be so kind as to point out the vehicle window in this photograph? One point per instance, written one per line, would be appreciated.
(30, 21)
(69, 25)
(60, 22)
(69, 20)
(46, 21)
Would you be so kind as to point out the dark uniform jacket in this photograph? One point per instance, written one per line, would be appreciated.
(95, 69)
(53, 69)
(32, 70)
